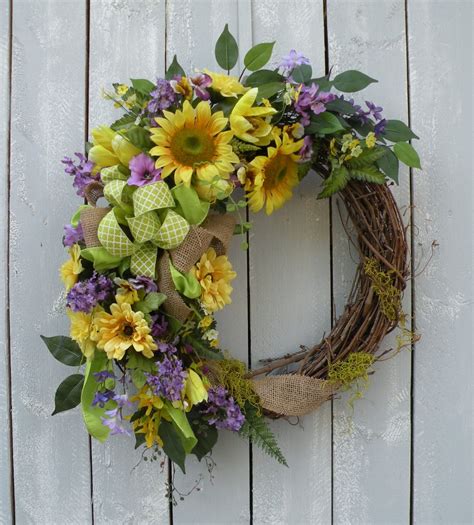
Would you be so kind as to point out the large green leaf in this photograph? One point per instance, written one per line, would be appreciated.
(270, 89)
(264, 76)
(64, 349)
(183, 427)
(407, 154)
(227, 50)
(324, 124)
(323, 83)
(206, 435)
(142, 85)
(335, 182)
(351, 81)
(302, 73)
(389, 164)
(92, 414)
(343, 107)
(68, 394)
(397, 131)
(258, 56)
(175, 70)
(172, 444)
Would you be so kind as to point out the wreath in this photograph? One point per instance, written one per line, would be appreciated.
(148, 268)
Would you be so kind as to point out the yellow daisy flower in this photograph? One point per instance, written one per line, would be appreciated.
(226, 85)
(247, 122)
(70, 270)
(214, 274)
(110, 148)
(82, 326)
(123, 329)
(192, 140)
(271, 179)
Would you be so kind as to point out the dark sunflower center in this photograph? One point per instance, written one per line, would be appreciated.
(128, 330)
(192, 146)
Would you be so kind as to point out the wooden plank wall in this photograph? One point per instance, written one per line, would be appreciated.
(404, 455)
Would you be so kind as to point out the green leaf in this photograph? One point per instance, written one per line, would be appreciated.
(64, 349)
(367, 174)
(323, 83)
(150, 303)
(139, 440)
(389, 164)
(182, 426)
(100, 258)
(335, 182)
(227, 50)
(203, 351)
(367, 157)
(138, 360)
(206, 435)
(264, 76)
(68, 394)
(258, 56)
(138, 378)
(397, 131)
(142, 85)
(341, 106)
(324, 124)
(268, 90)
(92, 414)
(139, 137)
(351, 81)
(302, 73)
(189, 205)
(407, 154)
(175, 70)
(172, 444)
(185, 283)
(124, 122)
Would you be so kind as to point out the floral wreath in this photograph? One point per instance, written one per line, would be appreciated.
(148, 271)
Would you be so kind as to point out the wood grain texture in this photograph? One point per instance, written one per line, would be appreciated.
(372, 442)
(127, 40)
(441, 62)
(290, 297)
(5, 445)
(213, 504)
(51, 455)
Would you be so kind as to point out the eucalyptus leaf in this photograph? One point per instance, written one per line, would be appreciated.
(397, 131)
(64, 349)
(352, 80)
(175, 70)
(407, 154)
(68, 394)
(258, 56)
(226, 50)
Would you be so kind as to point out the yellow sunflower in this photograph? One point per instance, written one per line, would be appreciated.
(122, 329)
(271, 179)
(226, 85)
(214, 274)
(192, 140)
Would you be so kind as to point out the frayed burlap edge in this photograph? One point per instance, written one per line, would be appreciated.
(90, 219)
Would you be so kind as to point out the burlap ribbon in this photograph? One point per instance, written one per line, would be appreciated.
(292, 395)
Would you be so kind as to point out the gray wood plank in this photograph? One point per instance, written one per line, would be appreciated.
(51, 455)
(290, 297)
(372, 442)
(127, 40)
(441, 61)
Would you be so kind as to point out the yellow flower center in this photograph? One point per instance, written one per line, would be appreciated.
(192, 146)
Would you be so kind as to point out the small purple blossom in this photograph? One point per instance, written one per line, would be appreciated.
(292, 60)
(311, 100)
(224, 411)
(102, 398)
(103, 375)
(169, 380)
(162, 97)
(380, 127)
(159, 327)
(72, 235)
(81, 171)
(143, 171)
(200, 82)
(114, 421)
(306, 151)
(122, 400)
(374, 111)
(84, 295)
(143, 283)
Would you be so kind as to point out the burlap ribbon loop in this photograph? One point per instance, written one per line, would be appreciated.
(292, 395)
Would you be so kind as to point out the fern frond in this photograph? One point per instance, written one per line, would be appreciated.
(368, 174)
(335, 182)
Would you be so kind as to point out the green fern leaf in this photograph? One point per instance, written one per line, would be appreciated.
(368, 174)
(335, 182)
(256, 429)
(366, 158)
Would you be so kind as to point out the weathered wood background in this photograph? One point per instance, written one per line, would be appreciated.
(405, 454)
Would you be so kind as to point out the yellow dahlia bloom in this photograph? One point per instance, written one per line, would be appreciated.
(110, 148)
(271, 179)
(214, 274)
(192, 140)
(122, 329)
(247, 122)
(226, 85)
(70, 270)
(82, 326)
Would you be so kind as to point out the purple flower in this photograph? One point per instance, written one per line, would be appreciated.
(169, 380)
(224, 411)
(200, 82)
(311, 100)
(122, 400)
(82, 172)
(72, 235)
(102, 376)
(159, 326)
(143, 171)
(144, 283)
(374, 111)
(290, 61)
(84, 295)
(102, 398)
(115, 422)
(162, 97)
(380, 127)
(306, 151)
